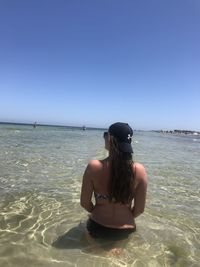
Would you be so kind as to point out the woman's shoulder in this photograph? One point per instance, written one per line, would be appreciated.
(140, 171)
(95, 165)
(138, 166)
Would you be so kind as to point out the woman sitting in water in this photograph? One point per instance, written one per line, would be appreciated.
(119, 186)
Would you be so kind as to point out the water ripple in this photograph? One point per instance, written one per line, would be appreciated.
(42, 223)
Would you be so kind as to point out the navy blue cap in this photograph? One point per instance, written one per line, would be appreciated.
(123, 134)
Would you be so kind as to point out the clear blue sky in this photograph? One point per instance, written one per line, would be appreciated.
(75, 62)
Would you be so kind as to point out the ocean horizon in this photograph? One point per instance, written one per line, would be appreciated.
(84, 127)
(52, 125)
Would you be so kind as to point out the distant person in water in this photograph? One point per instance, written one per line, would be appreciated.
(119, 186)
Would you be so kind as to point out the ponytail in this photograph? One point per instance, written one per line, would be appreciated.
(122, 175)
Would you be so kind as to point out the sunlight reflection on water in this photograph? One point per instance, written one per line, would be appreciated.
(42, 223)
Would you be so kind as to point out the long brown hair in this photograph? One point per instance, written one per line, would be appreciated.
(121, 188)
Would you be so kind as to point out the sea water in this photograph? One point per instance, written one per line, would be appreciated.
(42, 223)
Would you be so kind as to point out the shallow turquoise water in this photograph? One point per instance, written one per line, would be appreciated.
(42, 223)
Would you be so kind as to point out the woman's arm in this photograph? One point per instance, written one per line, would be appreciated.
(87, 189)
(140, 191)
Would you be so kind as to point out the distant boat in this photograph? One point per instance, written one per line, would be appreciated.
(84, 128)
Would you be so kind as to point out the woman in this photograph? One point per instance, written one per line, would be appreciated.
(119, 186)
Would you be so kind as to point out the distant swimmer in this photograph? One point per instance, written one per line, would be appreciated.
(84, 127)
(35, 124)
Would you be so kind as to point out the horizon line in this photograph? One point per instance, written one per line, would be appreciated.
(90, 127)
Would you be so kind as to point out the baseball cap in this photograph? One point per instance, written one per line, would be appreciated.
(123, 134)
